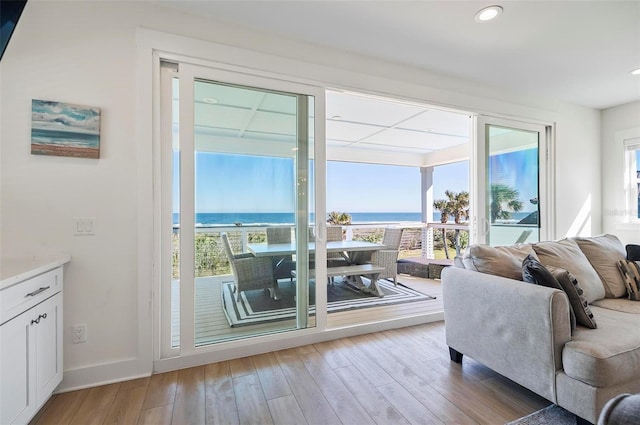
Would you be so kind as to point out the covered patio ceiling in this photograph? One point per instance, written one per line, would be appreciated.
(359, 128)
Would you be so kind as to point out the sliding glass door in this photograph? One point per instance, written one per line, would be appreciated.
(239, 157)
(512, 199)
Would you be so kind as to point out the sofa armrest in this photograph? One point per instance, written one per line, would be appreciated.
(515, 328)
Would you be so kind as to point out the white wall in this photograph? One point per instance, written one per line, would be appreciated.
(86, 54)
(614, 121)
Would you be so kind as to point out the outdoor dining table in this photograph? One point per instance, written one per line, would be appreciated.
(354, 252)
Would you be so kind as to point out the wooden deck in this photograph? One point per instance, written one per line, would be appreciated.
(211, 325)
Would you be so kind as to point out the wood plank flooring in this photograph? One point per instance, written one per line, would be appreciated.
(400, 376)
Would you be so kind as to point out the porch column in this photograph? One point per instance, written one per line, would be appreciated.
(426, 190)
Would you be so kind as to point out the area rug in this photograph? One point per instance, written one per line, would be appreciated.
(550, 415)
(257, 307)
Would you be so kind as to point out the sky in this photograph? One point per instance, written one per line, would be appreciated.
(235, 183)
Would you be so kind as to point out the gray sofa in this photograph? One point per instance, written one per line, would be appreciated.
(523, 331)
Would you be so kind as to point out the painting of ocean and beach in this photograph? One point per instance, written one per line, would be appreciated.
(62, 129)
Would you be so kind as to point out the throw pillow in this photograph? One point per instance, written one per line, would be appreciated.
(567, 254)
(630, 272)
(572, 288)
(505, 261)
(534, 272)
(633, 252)
(604, 252)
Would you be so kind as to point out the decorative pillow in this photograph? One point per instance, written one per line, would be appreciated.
(534, 272)
(572, 288)
(567, 254)
(604, 252)
(633, 252)
(505, 261)
(630, 272)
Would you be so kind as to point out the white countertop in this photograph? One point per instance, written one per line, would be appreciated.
(14, 270)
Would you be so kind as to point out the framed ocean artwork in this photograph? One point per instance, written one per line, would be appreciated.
(63, 129)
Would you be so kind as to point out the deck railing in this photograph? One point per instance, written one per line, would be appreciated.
(419, 240)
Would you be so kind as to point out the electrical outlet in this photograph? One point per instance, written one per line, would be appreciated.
(84, 226)
(79, 334)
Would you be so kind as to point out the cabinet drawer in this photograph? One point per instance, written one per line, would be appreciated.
(24, 295)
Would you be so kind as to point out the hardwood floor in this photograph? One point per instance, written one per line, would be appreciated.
(400, 376)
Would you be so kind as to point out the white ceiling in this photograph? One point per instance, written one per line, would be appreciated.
(576, 51)
(239, 120)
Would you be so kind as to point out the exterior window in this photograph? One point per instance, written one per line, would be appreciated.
(632, 184)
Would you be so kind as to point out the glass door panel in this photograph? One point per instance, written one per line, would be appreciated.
(511, 200)
(241, 174)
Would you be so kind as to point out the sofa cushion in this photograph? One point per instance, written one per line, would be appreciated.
(505, 261)
(566, 254)
(534, 272)
(607, 356)
(579, 304)
(619, 304)
(604, 252)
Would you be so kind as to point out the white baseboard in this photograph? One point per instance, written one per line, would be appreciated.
(102, 374)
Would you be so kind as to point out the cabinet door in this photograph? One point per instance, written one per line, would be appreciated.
(17, 368)
(48, 347)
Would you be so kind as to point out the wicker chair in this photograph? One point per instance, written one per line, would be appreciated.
(388, 257)
(282, 266)
(335, 259)
(250, 272)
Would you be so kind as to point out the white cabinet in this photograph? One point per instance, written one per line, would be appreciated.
(30, 344)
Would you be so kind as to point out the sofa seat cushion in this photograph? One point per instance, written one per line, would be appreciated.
(619, 304)
(566, 254)
(606, 356)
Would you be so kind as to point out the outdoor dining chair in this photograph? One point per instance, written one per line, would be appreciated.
(282, 266)
(335, 259)
(250, 272)
(388, 257)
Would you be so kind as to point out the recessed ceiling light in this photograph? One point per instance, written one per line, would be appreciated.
(636, 72)
(336, 117)
(488, 13)
(210, 100)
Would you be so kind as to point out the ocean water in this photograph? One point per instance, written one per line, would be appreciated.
(206, 219)
(65, 138)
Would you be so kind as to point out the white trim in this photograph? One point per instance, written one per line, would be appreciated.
(101, 374)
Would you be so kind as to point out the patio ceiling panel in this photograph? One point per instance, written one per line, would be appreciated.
(415, 139)
(350, 131)
(359, 128)
(437, 121)
(359, 108)
(219, 116)
(272, 123)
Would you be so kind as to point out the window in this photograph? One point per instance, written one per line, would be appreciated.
(632, 180)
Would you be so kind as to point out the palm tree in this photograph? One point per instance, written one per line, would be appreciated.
(456, 205)
(504, 196)
(335, 217)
